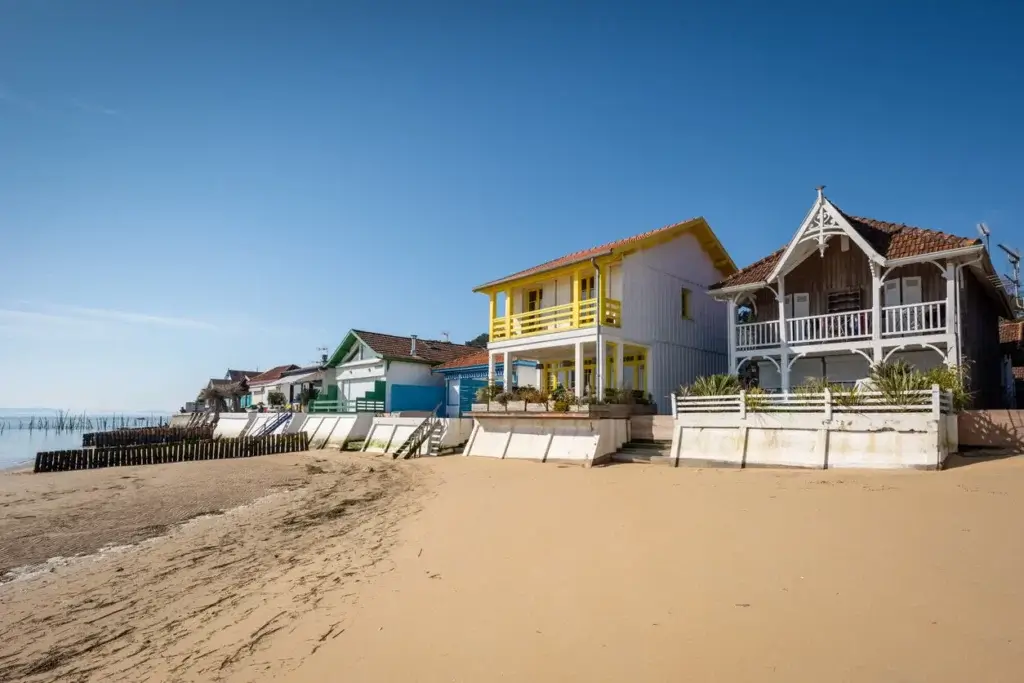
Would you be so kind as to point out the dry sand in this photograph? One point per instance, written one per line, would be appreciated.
(458, 569)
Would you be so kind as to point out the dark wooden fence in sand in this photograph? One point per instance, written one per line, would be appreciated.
(158, 454)
(138, 436)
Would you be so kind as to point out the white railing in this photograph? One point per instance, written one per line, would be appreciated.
(932, 400)
(829, 327)
(757, 335)
(926, 318)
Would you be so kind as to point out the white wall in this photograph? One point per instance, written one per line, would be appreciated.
(416, 374)
(866, 440)
(579, 440)
(681, 349)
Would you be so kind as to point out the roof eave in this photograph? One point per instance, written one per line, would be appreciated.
(932, 256)
(736, 289)
(504, 281)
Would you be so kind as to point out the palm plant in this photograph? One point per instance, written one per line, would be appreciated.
(712, 385)
(898, 382)
(214, 395)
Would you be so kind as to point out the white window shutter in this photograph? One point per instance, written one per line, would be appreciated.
(912, 290)
(788, 303)
(801, 305)
(892, 293)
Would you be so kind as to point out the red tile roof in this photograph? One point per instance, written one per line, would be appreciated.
(1010, 332)
(430, 350)
(890, 240)
(586, 254)
(272, 374)
(478, 358)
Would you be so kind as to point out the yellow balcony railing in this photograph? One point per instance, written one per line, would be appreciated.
(562, 318)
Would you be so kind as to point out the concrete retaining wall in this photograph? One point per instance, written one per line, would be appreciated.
(327, 430)
(233, 425)
(651, 427)
(387, 434)
(869, 440)
(992, 429)
(564, 439)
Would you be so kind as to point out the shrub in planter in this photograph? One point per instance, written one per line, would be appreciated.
(488, 393)
(712, 385)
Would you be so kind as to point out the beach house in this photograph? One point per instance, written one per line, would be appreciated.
(630, 314)
(465, 375)
(263, 384)
(375, 372)
(847, 292)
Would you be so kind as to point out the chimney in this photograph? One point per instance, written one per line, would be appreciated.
(412, 352)
(821, 191)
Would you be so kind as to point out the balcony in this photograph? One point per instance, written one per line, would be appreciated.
(563, 318)
(897, 321)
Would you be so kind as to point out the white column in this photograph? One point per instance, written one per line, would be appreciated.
(952, 317)
(600, 366)
(490, 368)
(506, 374)
(731, 307)
(876, 312)
(620, 372)
(579, 369)
(783, 344)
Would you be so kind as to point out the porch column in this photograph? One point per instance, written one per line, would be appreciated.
(731, 307)
(600, 366)
(876, 312)
(620, 372)
(579, 369)
(506, 374)
(952, 317)
(783, 343)
(490, 368)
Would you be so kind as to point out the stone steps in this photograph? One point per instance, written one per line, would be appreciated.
(643, 451)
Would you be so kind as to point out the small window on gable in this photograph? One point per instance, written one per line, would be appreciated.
(686, 303)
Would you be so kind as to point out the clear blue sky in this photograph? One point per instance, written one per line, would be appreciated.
(191, 185)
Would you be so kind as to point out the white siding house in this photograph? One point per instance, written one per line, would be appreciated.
(633, 314)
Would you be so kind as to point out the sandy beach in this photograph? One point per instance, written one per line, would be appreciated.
(350, 567)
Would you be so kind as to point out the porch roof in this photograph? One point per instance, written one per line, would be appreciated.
(271, 375)
(479, 359)
(891, 241)
(698, 225)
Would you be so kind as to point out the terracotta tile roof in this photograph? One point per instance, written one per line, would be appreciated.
(429, 350)
(890, 240)
(584, 255)
(271, 374)
(1010, 332)
(469, 360)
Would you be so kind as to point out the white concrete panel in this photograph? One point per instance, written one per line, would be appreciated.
(231, 425)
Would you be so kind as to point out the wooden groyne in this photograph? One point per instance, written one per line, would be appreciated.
(146, 435)
(159, 454)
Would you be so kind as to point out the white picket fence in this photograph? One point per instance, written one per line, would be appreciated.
(932, 400)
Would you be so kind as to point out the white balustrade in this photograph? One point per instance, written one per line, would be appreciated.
(830, 327)
(757, 335)
(926, 318)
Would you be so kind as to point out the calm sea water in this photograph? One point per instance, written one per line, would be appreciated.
(18, 447)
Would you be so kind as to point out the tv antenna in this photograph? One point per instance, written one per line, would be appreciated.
(445, 335)
(322, 352)
(984, 232)
(1013, 256)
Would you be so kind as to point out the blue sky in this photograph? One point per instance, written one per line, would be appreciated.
(187, 186)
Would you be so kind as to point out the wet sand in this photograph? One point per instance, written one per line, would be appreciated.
(458, 569)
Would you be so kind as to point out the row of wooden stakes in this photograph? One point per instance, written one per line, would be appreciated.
(137, 436)
(158, 454)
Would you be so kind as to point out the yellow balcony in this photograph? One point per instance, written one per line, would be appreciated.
(574, 316)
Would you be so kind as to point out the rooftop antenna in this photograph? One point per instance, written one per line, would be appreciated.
(1013, 256)
(985, 232)
(445, 335)
(322, 352)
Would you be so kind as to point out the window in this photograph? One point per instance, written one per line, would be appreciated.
(586, 288)
(534, 299)
(911, 289)
(844, 301)
(797, 305)
(686, 304)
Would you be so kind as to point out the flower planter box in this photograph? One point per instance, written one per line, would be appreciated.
(494, 407)
(516, 406)
(480, 407)
(536, 408)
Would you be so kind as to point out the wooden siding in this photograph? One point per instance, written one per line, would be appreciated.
(841, 271)
(980, 342)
